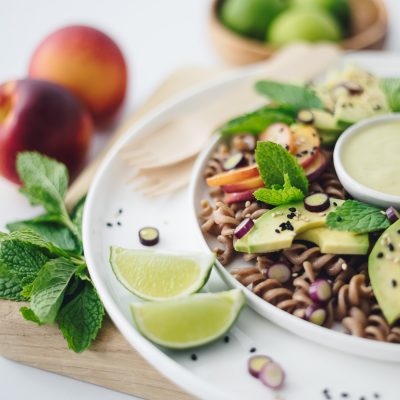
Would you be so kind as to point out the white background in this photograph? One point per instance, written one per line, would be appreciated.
(156, 36)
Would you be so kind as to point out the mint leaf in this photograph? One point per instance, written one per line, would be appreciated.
(257, 121)
(45, 181)
(77, 214)
(29, 315)
(22, 260)
(48, 289)
(278, 196)
(354, 216)
(274, 162)
(81, 319)
(391, 87)
(298, 97)
(10, 286)
(50, 230)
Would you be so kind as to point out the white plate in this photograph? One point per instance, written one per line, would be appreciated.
(220, 370)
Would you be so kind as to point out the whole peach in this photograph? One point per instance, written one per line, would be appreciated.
(42, 116)
(87, 62)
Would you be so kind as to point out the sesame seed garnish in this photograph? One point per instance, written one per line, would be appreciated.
(334, 203)
(253, 350)
(247, 204)
(292, 209)
(193, 357)
(391, 247)
(226, 339)
(394, 283)
(277, 231)
(382, 212)
(109, 224)
(119, 223)
(295, 274)
(344, 266)
(380, 255)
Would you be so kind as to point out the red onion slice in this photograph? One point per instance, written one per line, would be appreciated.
(256, 364)
(233, 161)
(392, 214)
(243, 228)
(317, 202)
(320, 291)
(272, 375)
(305, 117)
(279, 271)
(315, 314)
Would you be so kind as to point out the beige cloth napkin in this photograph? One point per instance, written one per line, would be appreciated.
(299, 62)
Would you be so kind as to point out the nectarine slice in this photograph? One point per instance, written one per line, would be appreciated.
(252, 183)
(307, 144)
(233, 176)
(280, 134)
(317, 167)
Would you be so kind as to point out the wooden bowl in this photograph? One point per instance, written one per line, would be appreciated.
(368, 31)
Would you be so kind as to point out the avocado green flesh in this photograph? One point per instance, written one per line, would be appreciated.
(325, 121)
(263, 237)
(336, 242)
(384, 272)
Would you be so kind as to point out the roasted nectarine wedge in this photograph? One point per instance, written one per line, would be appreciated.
(307, 144)
(280, 134)
(252, 183)
(233, 176)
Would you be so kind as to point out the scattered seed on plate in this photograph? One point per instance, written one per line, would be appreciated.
(109, 224)
(253, 350)
(119, 223)
(193, 357)
(226, 339)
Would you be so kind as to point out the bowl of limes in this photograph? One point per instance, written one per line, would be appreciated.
(246, 31)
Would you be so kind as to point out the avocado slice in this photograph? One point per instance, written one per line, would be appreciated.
(384, 272)
(336, 242)
(325, 121)
(276, 229)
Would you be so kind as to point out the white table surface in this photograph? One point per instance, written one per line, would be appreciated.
(157, 36)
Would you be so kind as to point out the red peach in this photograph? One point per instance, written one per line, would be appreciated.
(87, 62)
(42, 116)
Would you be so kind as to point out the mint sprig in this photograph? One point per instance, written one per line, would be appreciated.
(355, 216)
(298, 97)
(41, 259)
(277, 195)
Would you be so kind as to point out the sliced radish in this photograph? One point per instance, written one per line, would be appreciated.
(272, 375)
(149, 236)
(305, 117)
(252, 183)
(317, 167)
(239, 196)
(233, 176)
(307, 144)
(279, 271)
(243, 228)
(233, 161)
(315, 314)
(317, 202)
(257, 363)
(320, 291)
(392, 214)
(280, 134)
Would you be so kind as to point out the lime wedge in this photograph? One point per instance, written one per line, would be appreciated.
(189, 322)
(156, 275)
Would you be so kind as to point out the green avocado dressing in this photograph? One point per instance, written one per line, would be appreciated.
(372, 157)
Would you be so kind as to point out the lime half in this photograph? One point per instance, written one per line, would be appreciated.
(156, 275)
(189, 322)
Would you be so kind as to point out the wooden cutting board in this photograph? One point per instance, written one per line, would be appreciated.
(111, 362)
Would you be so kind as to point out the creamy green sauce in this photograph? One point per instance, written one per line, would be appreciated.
(372, 157)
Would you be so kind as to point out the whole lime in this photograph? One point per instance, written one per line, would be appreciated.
(303, 24)
(340, 9)
(251, 17)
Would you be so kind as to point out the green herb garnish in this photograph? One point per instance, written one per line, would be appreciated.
(391, 87)
(277, 195)
(357, 217)
(274, 162)
(258, 120)
(41, 259)
(298, 97)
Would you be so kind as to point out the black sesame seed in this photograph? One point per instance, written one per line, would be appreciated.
(193, 357)
(226, 339)
(286, 147)
(394, 282)
(298, 155)
(253, 350)
(376, 395)
(109, 224)
(289, 226)
(339, 218)
(304, 152)
(334, 203)
(291, 216)
(314, 134)
(398, 231)
(292, 209)
(390, 247)
(362, 398)
(277, 231)
(120, 211)
(380, 255)
(326, 394)
(344, 394)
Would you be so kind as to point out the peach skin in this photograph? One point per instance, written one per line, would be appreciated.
(87, 62)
